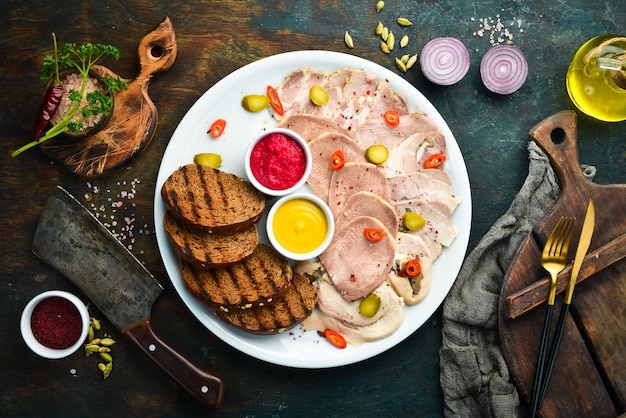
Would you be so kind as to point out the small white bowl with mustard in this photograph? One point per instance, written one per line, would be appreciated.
(300, 226)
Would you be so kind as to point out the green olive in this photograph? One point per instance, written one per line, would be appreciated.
(377, 154)
(369, 305)
(208, 160)
(413, 221)
(318, 95)
(255, 102)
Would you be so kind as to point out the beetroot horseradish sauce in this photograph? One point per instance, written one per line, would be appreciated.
(277, 161)
(56, 323)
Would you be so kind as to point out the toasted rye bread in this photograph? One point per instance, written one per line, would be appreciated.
(208, 249)
(255, 280)
(285, 312)
(205, 198)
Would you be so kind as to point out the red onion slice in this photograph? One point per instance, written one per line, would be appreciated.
(503, 69)
(445, 61)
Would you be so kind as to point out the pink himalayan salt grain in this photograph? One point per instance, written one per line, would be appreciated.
(74, 81)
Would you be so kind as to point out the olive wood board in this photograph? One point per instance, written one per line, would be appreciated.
(589, 377)
(134, 118)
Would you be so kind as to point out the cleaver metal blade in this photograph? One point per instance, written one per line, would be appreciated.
(73, 241)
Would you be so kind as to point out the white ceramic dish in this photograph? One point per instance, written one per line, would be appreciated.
(27, 332)
(281, 192)
(297, 348)
(329, 232)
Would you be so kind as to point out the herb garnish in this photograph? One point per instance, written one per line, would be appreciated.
(82, 58)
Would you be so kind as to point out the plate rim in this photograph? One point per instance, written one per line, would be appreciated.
(246, 342)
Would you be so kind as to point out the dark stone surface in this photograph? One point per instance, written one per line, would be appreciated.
(214, 39)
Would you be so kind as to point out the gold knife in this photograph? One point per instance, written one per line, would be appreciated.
(583, 245)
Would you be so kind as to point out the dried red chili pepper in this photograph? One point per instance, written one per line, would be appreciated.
(434, 161)
(50, 104)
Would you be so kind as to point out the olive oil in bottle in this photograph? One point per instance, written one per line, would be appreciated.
(596, 78)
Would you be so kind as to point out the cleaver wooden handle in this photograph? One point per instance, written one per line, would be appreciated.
(205, 387)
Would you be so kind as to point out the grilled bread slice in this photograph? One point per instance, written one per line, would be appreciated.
(210, 199)
(206, 248)
(285, 312)
(256, 280)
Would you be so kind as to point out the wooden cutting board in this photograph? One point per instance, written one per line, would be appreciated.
(589, 378)
(134, 119)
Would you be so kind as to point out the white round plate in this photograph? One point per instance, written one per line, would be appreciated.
(297, 348)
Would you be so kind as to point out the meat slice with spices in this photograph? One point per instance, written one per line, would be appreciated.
(354, 178)
(369, 204)
(311, 126)
(356, 265)
(322, 149)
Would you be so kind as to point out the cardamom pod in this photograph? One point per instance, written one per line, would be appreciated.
(95, 324)
(101, 367)
(107, 342)
(106, 357)
(95, 341)
(348, 40)
(400, 65)
(104, 350)
(411, 61)
(404, 58)
(402, 21)
(384, 47)
(92, 348)
(384, 33)
(379, 5)
(379, 28)
(107, 370)
(90, 333)
(391, 41)
(404, 41)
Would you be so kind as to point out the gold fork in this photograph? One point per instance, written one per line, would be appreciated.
(553, 259)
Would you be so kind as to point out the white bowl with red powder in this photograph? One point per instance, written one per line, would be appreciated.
(54, 324)
(278, 162)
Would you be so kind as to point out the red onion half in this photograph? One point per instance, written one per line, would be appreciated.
(444, 61)
(503, 69)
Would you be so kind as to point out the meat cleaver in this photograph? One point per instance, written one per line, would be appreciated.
(72, 240)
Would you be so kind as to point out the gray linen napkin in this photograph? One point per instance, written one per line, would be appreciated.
(474, 375)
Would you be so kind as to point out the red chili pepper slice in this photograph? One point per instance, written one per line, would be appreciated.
(434, 161)
(335, 338)
(337, 160)
(217, 128)
(392, 118)
(275, 102)
(413, 268)
(373, 234)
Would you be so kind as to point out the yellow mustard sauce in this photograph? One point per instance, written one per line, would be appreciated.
(300, 225)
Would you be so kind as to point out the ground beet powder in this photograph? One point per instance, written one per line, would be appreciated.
(56, 323)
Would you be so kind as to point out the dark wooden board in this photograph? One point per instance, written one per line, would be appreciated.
(134, 119)
(589, 377)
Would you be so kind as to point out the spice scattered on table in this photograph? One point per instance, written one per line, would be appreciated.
(101, 346)
(114, 207)
(497, 31)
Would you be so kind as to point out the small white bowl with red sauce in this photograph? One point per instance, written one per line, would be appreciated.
(278, 162)
(54, 324)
